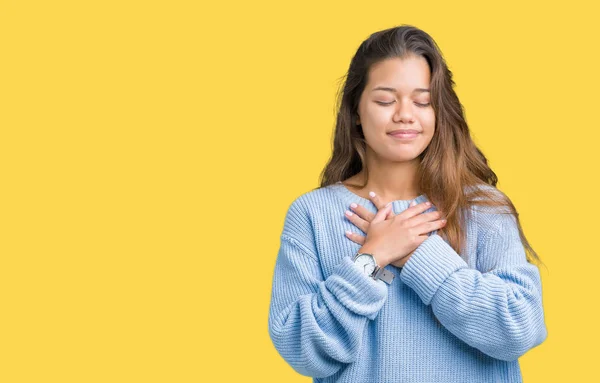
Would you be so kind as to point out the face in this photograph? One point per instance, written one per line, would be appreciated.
(404, 105)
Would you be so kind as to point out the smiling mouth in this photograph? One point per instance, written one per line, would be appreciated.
(404, 136)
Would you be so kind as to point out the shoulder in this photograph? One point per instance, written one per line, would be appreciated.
(498, 234)
(310, 203)
(304, 214)
(489, 218)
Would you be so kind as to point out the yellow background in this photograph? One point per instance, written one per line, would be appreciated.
(150, 150)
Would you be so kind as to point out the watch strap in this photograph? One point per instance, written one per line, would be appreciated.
(384, 275)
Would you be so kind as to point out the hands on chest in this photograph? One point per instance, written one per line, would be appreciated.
(392, 238)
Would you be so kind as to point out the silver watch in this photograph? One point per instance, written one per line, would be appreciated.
(366, 262)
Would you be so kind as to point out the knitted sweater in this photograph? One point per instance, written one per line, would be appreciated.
(330, 321)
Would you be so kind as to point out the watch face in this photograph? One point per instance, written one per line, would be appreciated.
(366, 263)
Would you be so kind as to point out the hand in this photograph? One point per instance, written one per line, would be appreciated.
(363, 218)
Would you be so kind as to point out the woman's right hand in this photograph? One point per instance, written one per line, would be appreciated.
(391, 240)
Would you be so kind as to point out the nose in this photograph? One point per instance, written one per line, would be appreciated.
(404, 112)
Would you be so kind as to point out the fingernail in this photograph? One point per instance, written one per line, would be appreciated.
(353, 205)
(372, 194)
(388, 204)
(348, 213)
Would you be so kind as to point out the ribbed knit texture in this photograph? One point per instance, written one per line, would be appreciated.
(330, 321)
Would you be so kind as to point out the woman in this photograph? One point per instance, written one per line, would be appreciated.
(432, 292)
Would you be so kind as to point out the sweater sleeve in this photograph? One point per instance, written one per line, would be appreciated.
(317, 324)
(499, 312)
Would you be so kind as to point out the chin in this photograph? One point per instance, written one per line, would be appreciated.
(396, 157)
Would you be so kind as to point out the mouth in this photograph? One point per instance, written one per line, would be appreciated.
(404, 135)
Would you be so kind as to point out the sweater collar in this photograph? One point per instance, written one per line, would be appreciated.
(349, 196)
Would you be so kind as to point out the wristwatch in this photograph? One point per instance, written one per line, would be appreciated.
(366, 262)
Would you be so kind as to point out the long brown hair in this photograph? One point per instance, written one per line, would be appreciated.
(452, 168)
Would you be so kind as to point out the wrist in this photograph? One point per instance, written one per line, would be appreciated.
(380, 258)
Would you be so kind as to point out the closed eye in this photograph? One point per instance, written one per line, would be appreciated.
(390, 103)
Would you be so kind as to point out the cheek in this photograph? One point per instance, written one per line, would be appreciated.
(377, 116)
(428, 124)
(428, 120)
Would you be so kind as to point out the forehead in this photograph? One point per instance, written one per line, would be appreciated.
(404, 75)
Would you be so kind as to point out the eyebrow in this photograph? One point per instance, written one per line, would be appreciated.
(417, 90)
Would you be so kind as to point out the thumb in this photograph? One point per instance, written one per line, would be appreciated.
(382, 213)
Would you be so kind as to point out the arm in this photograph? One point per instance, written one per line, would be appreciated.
(317, 325)
(499, 312)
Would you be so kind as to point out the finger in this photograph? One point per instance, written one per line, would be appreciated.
(428, 227)
(390, 213)
(382, 213)
(411, 211)
(379, 203)
(425, 217)
(357, 221)
(362, 212)
(355, 237)
(376, 200)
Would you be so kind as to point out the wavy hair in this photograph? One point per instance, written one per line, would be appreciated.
(452, 169)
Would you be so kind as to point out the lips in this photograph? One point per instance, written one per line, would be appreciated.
(404, 135)
(404, 131)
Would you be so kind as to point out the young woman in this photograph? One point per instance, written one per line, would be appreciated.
(439, 288)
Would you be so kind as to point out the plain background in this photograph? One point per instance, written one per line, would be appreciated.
(150, 150)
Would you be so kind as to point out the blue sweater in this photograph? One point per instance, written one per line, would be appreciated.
(331, 322)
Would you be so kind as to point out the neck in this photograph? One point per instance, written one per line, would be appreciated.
(392, 180)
